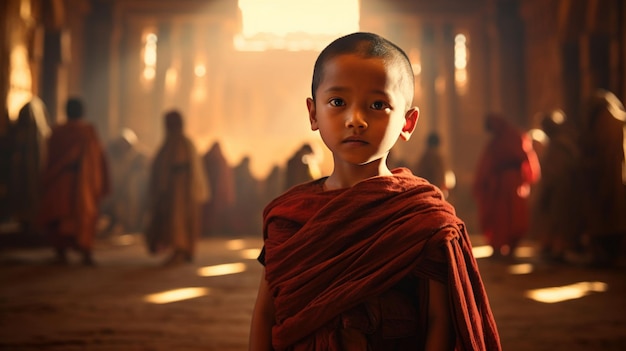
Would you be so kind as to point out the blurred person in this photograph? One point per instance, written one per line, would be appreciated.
(507, 168)
(75, 179)
(247, 199)
(604, 198)
(299, 166)
(176, 192)
(30, 133)
(367, 258)
(218, 213)
(555, 215)
(273, 184)
(433, 167)
(129, 168)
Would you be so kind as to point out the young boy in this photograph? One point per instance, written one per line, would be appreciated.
(367, 258)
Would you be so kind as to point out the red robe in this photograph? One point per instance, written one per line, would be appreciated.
(507, 163)
(329, 253)
(74, 181)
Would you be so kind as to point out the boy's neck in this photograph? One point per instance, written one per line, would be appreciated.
(346, 176)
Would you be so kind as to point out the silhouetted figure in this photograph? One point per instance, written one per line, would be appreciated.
(298, 170)
(273, 184)
(506, 169)
(129, 168)
(555, 215)
(74, 181)
(247, 208)
(176, 192)
(602, 141)
(218, 211)
(29, 151)
(6, 157)
(432, 166)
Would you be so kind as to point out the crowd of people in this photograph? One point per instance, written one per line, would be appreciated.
(64, 183)
(567, 193)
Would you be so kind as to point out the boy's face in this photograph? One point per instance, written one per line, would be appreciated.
(360, 109)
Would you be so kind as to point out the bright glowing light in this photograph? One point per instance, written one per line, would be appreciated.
(200, 70)
(450, 179)
(538, 135)
(20, 81)
(222, 269)
(566, 292)
(171, 79)
(176, 295)
(482, 251)
(149, 73)
(294, 25)
(522, 268)
(460, 63)
(149, 57)
(250, 254)
(235, 244)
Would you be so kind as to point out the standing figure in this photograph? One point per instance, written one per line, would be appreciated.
(367, 258)
(298, 169)
(603, 173)
(555, 216)
(218, 211)
(74, 181)
(129, 167)
(29, 153)
(506, 170)
(432, 166)
(247, 199)
(176, 192)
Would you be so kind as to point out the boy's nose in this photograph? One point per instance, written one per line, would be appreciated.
(355, 120)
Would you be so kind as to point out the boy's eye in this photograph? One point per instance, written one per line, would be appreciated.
(379, 105)
(336, 102)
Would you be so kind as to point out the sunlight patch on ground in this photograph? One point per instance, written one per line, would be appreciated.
(525, 252)
(565, 292)
(222, 269)
(250, 254)
(176, 295)
(482, 251)
(235, 244)
(522, 268)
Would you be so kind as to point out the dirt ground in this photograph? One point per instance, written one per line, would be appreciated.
(48, 307)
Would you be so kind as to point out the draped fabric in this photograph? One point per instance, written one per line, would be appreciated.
(74, 181)
(327, 252)
(507, 165)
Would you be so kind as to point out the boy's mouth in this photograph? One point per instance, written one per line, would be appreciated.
(353, 139)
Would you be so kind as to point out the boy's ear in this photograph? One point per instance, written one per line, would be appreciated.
(310, 105)
(410, 122)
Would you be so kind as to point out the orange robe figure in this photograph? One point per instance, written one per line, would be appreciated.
(74, 180)
(177, 190)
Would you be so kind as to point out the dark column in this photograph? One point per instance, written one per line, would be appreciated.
(429, 72)
(512, 75)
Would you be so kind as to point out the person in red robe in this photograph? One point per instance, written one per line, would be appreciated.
(506, 170)
(367, 258)
(74, 181)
